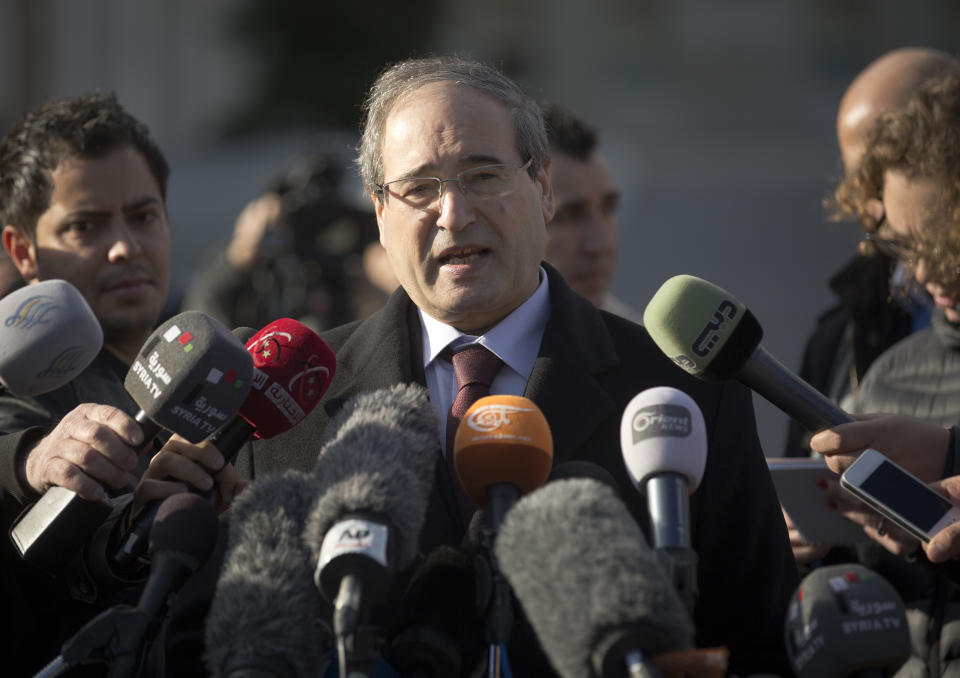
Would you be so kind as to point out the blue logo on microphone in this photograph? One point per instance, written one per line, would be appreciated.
(63, 363)
(32, 312)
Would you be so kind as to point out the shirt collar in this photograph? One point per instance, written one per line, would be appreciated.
(515, 339)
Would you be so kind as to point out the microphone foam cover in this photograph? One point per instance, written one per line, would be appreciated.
(185, 523)
(581, 569)
(380, 458)
(49, 336)
(701, 327)
(662, 430)
(502, 439)
(292, 369)
(265, 609)
(844, 619)
(191, 375)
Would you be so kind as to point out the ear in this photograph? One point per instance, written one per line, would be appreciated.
(22, 252)
(873, 213)
(546, 191)
(378, 209)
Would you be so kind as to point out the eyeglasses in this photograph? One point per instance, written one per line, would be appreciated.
(895, 249)
(487, 182)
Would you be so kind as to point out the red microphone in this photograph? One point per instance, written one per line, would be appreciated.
(292, 369)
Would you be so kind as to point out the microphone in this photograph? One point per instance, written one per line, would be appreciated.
(181, 541)
(438, 628)
(49, 335)
(264, 619)
(374, 477)
(663, 438)
(845, 621)
(292, 369)
(591, 588)
(711, 335)
(503, 449)
(190, 376)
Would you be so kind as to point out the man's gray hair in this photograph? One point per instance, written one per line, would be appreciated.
(405, 77)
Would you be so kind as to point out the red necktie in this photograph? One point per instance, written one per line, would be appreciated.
(475, 367)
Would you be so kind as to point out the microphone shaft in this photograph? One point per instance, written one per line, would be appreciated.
(767, 376)
(668, 503)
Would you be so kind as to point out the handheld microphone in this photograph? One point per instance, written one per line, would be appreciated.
(845, 621)
(374, 476)
(292, 369)
(663, 438)
(49, 335)
(190, 376)
(591, 588)
(711, 335)
(264, 618)
(181, 541)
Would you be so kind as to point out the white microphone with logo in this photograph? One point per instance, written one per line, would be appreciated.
(664, 443)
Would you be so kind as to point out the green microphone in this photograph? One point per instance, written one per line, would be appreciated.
(706, 331)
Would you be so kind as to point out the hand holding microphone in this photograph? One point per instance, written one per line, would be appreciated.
(292, 369)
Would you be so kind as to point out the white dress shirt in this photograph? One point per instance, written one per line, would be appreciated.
(515, 340)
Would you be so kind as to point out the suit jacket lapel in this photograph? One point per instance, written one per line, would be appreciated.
(575, 348)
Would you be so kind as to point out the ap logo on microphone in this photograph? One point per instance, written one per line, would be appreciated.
(656, 421)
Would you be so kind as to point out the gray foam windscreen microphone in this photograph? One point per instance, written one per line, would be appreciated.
(844, 619)
(265, 612)
(48, 336)
(589, 584)
(380, 458)
(191, 375)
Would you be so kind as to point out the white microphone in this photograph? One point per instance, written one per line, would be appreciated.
(664, 443)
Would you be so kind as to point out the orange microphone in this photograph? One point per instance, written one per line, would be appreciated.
(502, 440)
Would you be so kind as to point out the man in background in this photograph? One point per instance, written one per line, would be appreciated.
(582, 235)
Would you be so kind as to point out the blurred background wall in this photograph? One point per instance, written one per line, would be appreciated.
(717, 117)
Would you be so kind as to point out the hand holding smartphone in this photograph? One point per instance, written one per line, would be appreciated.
(899, 495)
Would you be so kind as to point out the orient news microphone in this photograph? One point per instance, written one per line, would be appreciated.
(49, 335)
(181, 541)
(711, 335)
(663, 438)
(374, 477)
(265, 615)
(190, 376)
(292, 369)
(844, 621)
(589, 584)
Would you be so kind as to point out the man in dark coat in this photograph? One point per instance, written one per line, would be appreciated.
(456, 161)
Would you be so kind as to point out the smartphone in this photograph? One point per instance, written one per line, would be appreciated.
(899, 495)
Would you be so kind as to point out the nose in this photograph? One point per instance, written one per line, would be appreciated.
(597, 234)
(125, 243)
(455, 210)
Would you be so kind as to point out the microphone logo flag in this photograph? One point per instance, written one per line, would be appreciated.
(488, 418)
(33, 311)
(185, 338)
(655, 421)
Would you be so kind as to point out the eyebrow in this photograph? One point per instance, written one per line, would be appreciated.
(102, 214)
(420, 170)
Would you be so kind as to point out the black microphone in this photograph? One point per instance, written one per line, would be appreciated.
(48, 336)
(846, 621)
(663, 438)
(437, 628)
(264, 619)
(292, 369)
(589, 584)
(181, 541)
(711, 335)
(374, 477)
(190, 376)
